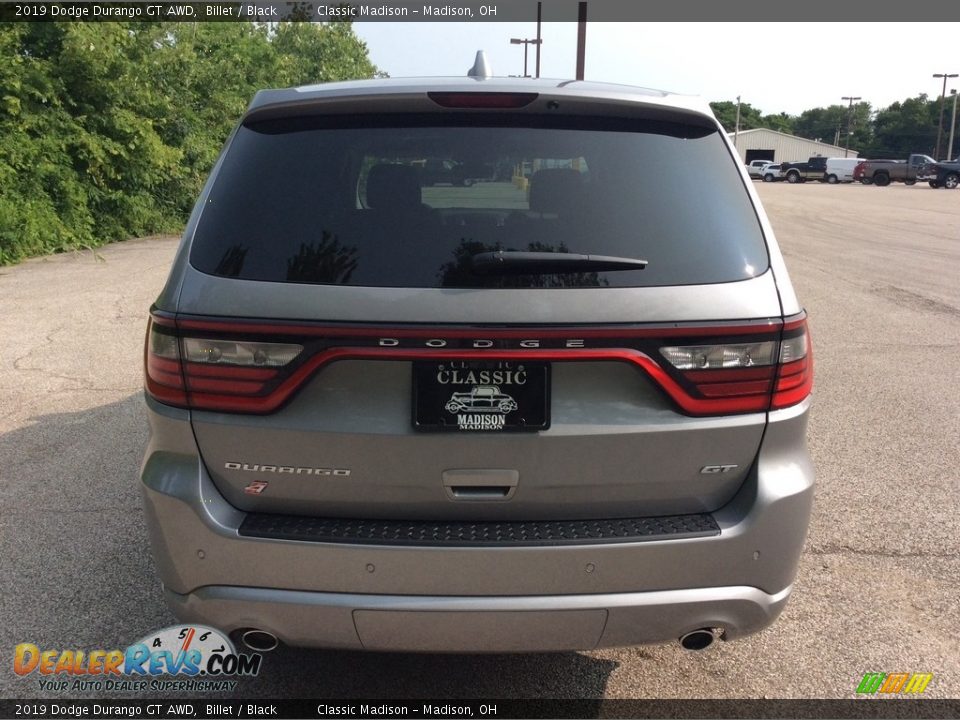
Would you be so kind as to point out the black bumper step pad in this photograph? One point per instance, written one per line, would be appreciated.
(477, 534)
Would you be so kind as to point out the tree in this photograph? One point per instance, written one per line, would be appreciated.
(108, 130)
(726, 113)
(906, 127)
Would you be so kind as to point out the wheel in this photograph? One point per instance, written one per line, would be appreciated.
(452, 407)
(909, 182)
(832, 179)
(768, 177)
(881, 179)
(934, 184)
(507, 406)
(951, 181)
(793, 177)
(468, 182)
(866, 181)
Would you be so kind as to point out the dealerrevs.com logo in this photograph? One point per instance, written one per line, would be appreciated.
(192, 658)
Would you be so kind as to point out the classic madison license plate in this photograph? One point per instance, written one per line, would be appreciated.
(493, 395)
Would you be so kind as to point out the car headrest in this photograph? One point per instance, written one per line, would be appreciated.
(555, 190)
(393, 187)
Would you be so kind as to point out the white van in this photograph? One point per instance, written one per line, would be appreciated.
(840, 169)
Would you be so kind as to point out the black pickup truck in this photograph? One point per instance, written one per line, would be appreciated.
(813, 169)
(943, 174)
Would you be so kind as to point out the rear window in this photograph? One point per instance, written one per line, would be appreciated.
(406, 201)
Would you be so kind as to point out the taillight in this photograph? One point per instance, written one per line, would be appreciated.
(256, 367)
(795, 376)
(746, 376)
(214, 373)
(163, 374)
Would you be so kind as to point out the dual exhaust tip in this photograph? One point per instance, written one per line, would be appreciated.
(262, 641)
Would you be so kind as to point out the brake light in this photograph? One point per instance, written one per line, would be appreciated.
(482, 100)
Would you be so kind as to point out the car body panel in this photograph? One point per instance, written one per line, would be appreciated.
(344, 445)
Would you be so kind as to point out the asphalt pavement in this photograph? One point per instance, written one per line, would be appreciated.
(876, 268)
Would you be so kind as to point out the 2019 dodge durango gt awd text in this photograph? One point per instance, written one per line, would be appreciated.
(322, 468)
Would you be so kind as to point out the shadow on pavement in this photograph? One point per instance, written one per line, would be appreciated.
(77, 574)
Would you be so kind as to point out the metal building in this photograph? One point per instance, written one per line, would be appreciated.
(764, 144)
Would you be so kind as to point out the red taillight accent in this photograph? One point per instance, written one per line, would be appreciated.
(795, 381)
(241, 389)
(482, 100)
(163, 378)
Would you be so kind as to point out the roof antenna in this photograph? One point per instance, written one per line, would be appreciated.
(481, 68)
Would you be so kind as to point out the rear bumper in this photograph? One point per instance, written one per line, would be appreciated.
(486, 599)
(480, 624)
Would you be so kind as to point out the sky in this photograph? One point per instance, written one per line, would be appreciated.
(879, 62)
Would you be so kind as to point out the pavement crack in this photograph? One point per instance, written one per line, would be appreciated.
(71, 511)
(847, 550)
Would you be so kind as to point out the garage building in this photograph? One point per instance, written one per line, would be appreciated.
(764, 144)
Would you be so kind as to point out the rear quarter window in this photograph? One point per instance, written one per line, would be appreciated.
(406, 201)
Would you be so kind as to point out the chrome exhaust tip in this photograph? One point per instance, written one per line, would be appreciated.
(698, 639)
(259, 640)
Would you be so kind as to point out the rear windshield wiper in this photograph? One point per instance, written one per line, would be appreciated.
(532, 263)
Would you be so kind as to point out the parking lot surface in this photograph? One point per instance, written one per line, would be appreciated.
(876, 268)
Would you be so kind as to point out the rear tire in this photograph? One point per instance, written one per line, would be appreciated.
(934, 184)
(793, 178)
(768, 177)
(832, 179)
(866, 181)
(909, 182)
(951, 181)
(881, 180)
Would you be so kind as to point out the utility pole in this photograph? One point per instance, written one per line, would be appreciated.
(539, 39)
(953, 123)
(581, 38)
(736, 127)
(846, 148)
(936, 153)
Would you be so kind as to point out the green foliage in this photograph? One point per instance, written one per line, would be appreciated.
(907, 127)
(750, 117)
(894, 132)
(108, 130)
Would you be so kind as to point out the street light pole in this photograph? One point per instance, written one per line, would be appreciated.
(953, 123)
(936, 154)
(846, 148)
(526, 44)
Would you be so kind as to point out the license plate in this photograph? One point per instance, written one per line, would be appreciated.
(481, 396)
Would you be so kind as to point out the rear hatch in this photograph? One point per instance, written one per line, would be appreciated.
(404, 316)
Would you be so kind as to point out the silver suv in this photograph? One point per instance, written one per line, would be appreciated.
(608, 269)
